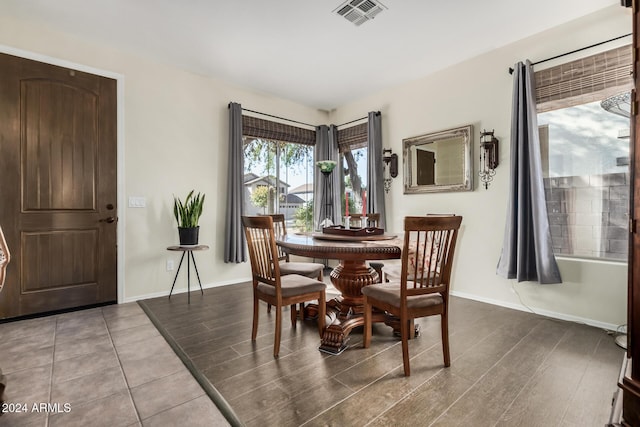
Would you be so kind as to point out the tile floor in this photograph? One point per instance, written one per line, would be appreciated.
(105, 366)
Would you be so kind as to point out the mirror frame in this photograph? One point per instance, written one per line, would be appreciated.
(464, 132)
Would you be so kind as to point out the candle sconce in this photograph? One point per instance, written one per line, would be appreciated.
(390, 167)
(488, 157)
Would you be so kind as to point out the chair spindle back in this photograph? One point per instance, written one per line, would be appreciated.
(263, 252)
(280, 230)
(429, 244)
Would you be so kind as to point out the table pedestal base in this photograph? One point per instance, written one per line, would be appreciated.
(343, 320)
(346, 312)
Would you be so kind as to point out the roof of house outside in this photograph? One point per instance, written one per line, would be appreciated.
(302, 189)
(292, 199)
(251, 179)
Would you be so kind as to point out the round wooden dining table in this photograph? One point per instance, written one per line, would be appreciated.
(345, 312)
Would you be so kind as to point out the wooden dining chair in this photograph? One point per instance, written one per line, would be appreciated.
(5, 257)
(270, 286)
(391, 269)
(308, 269)
(423, 288)
(373, 219)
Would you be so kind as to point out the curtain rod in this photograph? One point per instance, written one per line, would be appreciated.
(353, 121)
(577, 50)
(277, 117)
(302, 123)
(357, 120)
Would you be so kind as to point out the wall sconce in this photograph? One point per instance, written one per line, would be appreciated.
(390, 167)
(488, 157)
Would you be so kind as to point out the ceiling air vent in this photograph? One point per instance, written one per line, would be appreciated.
(359, 11)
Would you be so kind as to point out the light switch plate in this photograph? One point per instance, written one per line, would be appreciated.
(137, 202)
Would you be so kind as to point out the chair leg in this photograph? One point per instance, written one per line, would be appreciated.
(322, 313)
(366, 339)
(404, 334)
(276, 342)
(294, 315)
(445, 339)
(256, 305)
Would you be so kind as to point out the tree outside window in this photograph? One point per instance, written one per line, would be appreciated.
(279, 179)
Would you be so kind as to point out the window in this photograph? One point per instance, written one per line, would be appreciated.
(278, 178)
(352, 144)
(585, 151)
(354, 164)
(278, 171)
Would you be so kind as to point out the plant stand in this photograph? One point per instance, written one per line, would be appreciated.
(188, 251)
(327, 198)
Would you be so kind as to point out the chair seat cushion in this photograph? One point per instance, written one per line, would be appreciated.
(293, 284)
(390, 294)
(308, 269)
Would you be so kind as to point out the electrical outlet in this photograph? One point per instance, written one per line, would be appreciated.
(169, 265)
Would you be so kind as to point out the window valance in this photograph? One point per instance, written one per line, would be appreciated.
(267, 129)
(589, 79)
(352, 137)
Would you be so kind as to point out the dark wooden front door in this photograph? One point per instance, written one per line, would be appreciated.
(57, 186)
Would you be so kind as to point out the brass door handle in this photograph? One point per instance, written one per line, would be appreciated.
(108, 220)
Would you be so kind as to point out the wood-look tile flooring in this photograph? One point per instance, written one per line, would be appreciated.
(105, 366)
(509, 368)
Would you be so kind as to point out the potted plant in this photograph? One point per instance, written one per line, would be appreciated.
(187, 215)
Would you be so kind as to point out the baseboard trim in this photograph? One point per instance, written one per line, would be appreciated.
(184, 290)
(542, 312)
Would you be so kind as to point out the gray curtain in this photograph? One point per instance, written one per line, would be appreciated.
(375, 178)
(326, 148)
(527, 252)
(234, 246)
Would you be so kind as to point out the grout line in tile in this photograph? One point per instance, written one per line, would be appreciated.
(53, 358)
(126, 381)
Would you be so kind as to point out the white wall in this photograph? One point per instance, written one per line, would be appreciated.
(479, 92)
(175, 140)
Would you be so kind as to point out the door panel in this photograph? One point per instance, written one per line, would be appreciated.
(46, 270)
(58, 167)
(59, 146)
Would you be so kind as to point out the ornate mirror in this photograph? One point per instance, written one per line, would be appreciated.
(439, 161)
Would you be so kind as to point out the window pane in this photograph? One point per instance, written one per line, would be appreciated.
(279, 179)
(585, 158)
(354, 163)
(296, 191)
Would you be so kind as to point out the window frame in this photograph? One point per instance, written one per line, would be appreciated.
(578, 82)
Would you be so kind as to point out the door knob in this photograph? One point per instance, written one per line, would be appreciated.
(108, 220)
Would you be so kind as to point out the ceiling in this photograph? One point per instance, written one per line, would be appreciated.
(299, 49)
